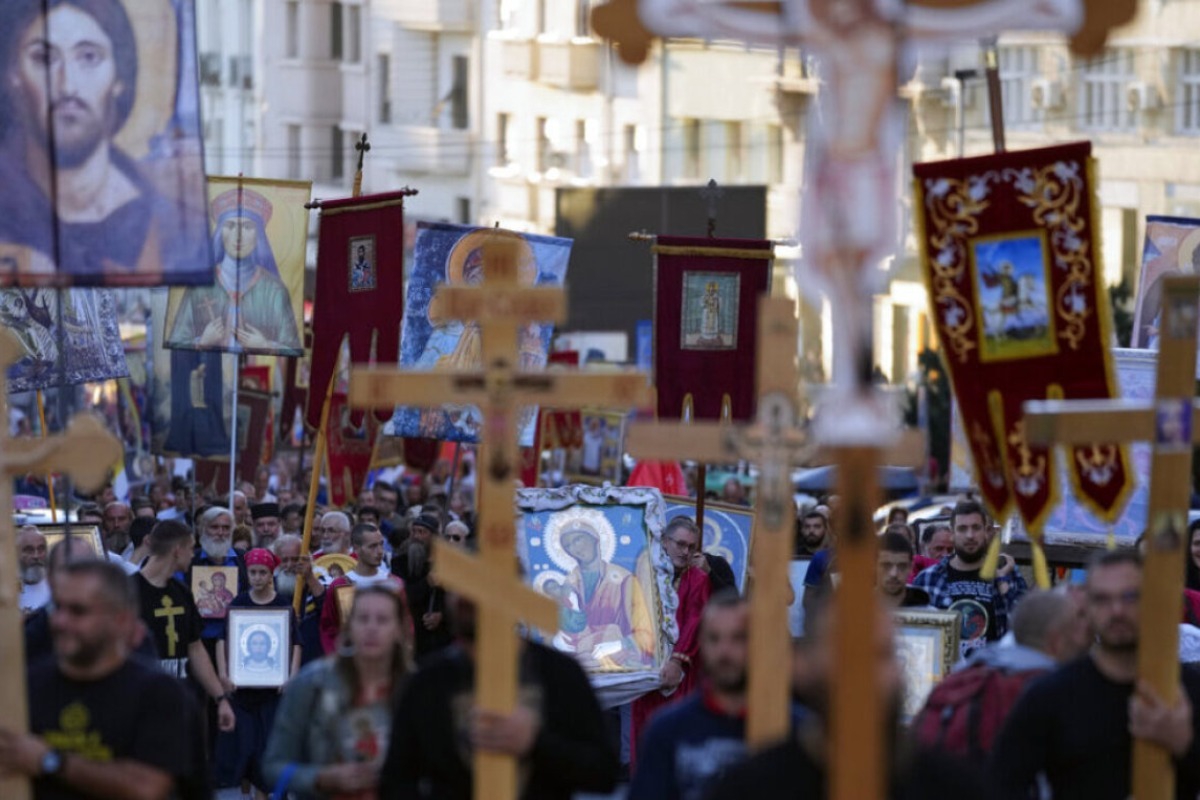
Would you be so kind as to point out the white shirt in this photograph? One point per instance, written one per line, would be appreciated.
(34, 595)
(121, 562)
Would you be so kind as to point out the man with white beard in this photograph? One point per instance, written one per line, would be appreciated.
(294, 567)
(31, 558)
(215, 528)
(335, 534)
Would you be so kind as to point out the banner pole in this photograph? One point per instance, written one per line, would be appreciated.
(314, 483)
(41, 408)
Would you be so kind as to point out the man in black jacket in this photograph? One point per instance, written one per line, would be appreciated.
(556, 732)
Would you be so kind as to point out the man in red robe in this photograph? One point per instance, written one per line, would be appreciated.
(681, 541)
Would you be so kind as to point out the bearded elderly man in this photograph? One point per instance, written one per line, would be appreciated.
(31, 559)
(216, 550)
(293, 568)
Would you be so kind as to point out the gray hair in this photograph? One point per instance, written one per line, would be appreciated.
(342, 520)
(286, 538)
(210, 516)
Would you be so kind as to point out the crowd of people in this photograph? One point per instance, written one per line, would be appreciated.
(149, 673)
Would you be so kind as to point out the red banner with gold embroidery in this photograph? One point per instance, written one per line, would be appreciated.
(1011, 258)
(349, 449)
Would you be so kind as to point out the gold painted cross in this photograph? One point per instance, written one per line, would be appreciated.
(500, 305)
(85, 452)
(170, 611)
(1170, 421)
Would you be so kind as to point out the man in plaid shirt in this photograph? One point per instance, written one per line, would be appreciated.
(954, 582)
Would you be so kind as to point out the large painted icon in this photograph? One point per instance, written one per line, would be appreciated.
(1172, 247)
(100, 144)
(1012, 284)
(255, 303)
(453, 255)
(710, 310)
(89, 333)
(597, 552)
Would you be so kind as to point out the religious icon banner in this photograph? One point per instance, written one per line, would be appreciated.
(90, 333)
(1172, 248)
(728, 531)
(622, 627)
(123, 145)
(359, 292)
(453, 255)
(348, 448)
(256, 301)
(1011, 259)
(705, 343)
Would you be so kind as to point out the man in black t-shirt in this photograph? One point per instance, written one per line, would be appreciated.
(171, 617)
(101, 725)
(1076, 725)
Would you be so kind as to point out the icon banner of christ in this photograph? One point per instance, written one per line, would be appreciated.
(116, 122)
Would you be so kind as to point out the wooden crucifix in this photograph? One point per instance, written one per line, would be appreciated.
(85, 452)
(500, 305)
(1168, 422)
(776, 443)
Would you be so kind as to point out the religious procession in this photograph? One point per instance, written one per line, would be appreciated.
(599, 400)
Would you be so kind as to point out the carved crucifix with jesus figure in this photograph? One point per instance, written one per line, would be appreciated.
(500, 305)
(86, 453)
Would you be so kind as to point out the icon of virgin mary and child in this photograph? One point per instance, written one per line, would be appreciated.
(248, 308)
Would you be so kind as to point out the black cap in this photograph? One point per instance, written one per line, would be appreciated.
(428, 521)
(260, 510)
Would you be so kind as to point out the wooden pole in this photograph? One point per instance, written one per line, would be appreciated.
(991, 63)
(1167, 541)
(856, 728)
(41, 408)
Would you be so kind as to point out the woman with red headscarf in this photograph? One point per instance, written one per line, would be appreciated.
(238, 754)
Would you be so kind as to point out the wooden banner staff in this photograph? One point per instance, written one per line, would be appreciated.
(41, 408)
(318, 462)
(991, 64)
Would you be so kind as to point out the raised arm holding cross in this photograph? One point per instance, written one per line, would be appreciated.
(500, 305)
(86, 452)
(1169, 423)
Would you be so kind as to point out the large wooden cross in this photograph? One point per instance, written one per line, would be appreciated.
(500, 305)
(86, 452)
(777, 443)
(1170, 422)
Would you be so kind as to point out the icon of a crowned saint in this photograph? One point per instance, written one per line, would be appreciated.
(248, 308)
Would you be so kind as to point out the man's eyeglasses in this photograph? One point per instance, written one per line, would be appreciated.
(687, 548)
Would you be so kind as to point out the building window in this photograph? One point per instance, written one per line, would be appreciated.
(583, 17)
(632, 159)
(385, 88)
(463, 206)
(337, 163)
(774, 154)
(241, 72)
(293, 152)
(691, 148)
(583, 150)
(292, 30)
(1018, 68)
(353, 34)
(1187, 107)
(210, 69)
(335, 31)
(734, 152)
(543, 144)
(503, 127)
(459, 118)
(1104, 82)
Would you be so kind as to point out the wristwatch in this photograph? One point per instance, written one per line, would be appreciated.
(52, 764)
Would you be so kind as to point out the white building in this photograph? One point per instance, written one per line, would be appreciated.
(230, 83)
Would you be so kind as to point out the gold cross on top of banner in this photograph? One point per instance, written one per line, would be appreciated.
(1172, 422)
(86, 453)
(501, 305)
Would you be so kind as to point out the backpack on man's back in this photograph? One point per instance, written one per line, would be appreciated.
(964, 713)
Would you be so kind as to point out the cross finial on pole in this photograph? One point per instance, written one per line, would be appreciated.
(363, 147)
(713, 194)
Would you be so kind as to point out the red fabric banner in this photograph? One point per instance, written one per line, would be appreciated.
(295, 387)
(348, 448)
(554, 429)
(252, 427)
(359, 291)
(1016, 291)
(705, 311)
(257, 377)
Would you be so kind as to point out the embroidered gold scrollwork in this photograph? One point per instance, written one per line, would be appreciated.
(1029, 473)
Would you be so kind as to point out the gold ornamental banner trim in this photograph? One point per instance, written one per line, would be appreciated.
(329, 212)
(719, 252)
